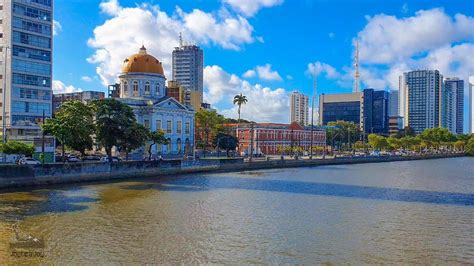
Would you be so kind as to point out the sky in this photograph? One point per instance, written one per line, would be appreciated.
(265, 49)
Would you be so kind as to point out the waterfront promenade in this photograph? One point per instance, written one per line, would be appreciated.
(12, 176)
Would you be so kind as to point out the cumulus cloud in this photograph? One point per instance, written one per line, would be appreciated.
(388, 39)
(87, 79)
(264, 104)
(60, 87)
(130, 27)
(57, 28)
(264, 72)
(251, 7)
(317, 68)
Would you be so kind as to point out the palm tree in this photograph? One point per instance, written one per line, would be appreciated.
(239, 100)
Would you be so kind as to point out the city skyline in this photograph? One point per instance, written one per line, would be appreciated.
(254, 59)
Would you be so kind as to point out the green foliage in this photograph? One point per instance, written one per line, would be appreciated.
(469, 148)
(72, 125)
(207, 123)
(17, 147)
(437, 135)
(378, 142)
(157, 138)
(112, 118)
(342, 132)
(226, 142)
(240, 100)
(394, 143)
(360, 146)
(134, 137)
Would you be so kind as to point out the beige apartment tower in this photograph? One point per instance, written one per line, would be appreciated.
(299, 108)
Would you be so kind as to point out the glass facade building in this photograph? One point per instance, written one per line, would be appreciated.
(376, 111)
(27, 36)
(456, 87)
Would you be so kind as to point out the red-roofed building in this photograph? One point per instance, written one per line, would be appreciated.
(272, 138)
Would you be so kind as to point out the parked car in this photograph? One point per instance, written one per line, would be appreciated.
(28, 161)
(115, 159)
(72, 159)
(90, 158)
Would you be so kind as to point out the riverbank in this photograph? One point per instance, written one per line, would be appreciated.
(14, 176)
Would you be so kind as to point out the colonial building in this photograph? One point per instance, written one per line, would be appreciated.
(272, 138)
(142, 87)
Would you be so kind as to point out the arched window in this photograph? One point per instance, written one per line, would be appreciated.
(125, 88)
(147, 88)
(178, 142)
(135, 89)
(157, 89)
(188, 146)
(168, 146)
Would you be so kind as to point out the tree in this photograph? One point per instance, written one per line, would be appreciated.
(73, 126)
(112, 118)
(459, 145)
(378, 142)
(226, 142)
(343, 132)
(239, 100)
(469, 148)
(207, 122)
(135, 136)
(394, 143)
(437, 137)
(157, 137)
(17, 147)
(359, 146)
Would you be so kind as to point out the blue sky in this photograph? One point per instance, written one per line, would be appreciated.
(263, 48)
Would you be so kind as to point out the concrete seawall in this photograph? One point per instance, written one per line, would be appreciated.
(21, 176)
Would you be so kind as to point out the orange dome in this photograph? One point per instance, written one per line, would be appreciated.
(142, 63)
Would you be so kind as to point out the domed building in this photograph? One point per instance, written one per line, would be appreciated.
(142, 87)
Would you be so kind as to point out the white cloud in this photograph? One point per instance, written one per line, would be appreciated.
(331, 35)
(60, 87)
(318, 68)
(388, 39)
(57, 28)
(264, 104)
(130, 27)
(250, 74)
(264, 72)
(87, 79)
(251, 7)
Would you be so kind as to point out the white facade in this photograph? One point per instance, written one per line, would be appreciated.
(299, 108)
(188, 68)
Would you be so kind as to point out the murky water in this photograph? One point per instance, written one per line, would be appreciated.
(401, 212)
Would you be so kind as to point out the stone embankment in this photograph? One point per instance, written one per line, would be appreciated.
(39, 175)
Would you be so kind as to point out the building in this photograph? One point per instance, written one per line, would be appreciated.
(421, 100)
(369, 109)
(273, 139)
(299, 105)
(471, 105)
(393, 103)
(83, 96)
(142, 87)
(188, 62)
(455, 86)
(26, 39)
(395, 124)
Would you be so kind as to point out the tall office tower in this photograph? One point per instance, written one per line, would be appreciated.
(456, 85)
(471, 105)
(26, 37)
(393, 103)
(420, 99)
(188, 61)
(299, 108)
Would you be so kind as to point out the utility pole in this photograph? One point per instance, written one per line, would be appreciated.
(312, 116)
(4, 98)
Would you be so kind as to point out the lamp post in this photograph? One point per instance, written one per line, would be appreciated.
(4, 97)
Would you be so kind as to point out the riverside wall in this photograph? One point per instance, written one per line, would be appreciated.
(12, 176)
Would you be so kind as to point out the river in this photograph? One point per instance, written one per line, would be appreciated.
(398, 212)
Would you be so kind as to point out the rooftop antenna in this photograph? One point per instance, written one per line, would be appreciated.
(180, 40)
(356, 66)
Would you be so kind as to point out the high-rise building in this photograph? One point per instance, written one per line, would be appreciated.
(456, 86)
(369, 109)
(83, 96)
(26, 37)
(471, 104)
(393, 103)
(421, 100)
(188, 61)
(299, 108)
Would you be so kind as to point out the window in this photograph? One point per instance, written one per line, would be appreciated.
(158, 125)
(31, 53)
(178, 142)
(179, 127)
(157, 89)
(147, 88)
(169, 128)
(188, 128)
(31, 67)
(146, 123)
(125, 88)
(35, 13)
(25, 38)
(135, 89)
(168, 146)
(31, 26)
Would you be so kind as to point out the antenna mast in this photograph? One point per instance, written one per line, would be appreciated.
(356, 66)
(180, 40)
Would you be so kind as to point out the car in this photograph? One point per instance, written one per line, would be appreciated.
(28, 161)
(72, 159)
(114, 159)
(90, 158)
